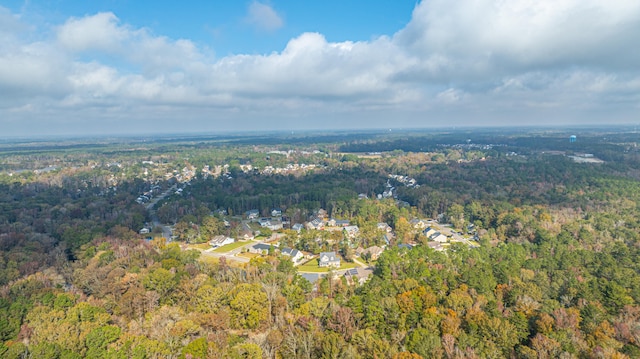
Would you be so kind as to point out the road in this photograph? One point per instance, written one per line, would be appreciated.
(166, 230)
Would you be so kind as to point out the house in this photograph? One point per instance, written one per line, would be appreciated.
(219, 241)
(275, 224)
(338, 222)
(352, 231)
(328, 259)
(316, 223)
(429, 231)
(405, 246)
(276, 212)
(261, 248)
(418, 223)
(321, 213)
(252, 214)
(374, 252)
(296, 255)
(297, 227)
(358, 275)
(144, 231)
(342, 222)
(264, 222)
(384, 227)
(438, 237)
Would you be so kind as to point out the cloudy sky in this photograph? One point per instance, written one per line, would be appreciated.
(123, 66)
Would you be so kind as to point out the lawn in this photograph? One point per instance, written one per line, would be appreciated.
(231, 246)
(312, 266)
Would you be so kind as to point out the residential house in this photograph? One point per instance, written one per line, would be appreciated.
(276, 212)
(296, 255)
(374, 252)
(438, 237)
(219, 241)
(264, 222)
(261, 248)
(274, 224)
(418, 223)
(429, 231)
(329, 259)
(316, 223)
(144, 231)
(384, 227)
(358, 276)
(338, 222)
(252, 214)
(352, 231)
(297, 227)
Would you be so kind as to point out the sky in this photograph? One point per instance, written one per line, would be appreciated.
(143, 67)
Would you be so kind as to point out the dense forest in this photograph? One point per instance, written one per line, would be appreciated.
(556, 274)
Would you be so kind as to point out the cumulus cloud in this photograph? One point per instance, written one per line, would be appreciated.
(263, 17)
(491, 37)
(98, 32)
(471, 60)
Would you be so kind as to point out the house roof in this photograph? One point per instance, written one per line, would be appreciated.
(219, 239)
(289, 252)
(261, 246)
(328, 257)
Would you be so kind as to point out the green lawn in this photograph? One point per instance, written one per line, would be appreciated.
(231, 246)
(312, 266)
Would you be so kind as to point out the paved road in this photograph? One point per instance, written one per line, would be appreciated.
(166, 230)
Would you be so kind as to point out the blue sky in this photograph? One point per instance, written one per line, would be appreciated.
(224, 25)
(92, 67)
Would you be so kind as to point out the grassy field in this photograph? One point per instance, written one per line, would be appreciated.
(231, 246)
(312, 266)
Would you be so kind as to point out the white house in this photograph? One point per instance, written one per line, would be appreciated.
(329, 259)
(429, 231)
(438, 237)
(219, 241)
(296, 255)
(252, 214)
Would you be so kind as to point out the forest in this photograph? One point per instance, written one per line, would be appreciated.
(555, 272)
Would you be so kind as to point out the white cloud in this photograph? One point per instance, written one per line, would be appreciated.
(491, 37)
(98, 32)
(263, 17)
(465, 61)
